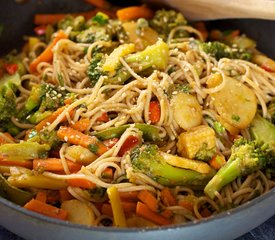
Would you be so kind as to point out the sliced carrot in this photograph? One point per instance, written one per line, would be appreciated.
(134, 12)
(167, 197)
(144, 211)
(41, 196)
(44, 19)
(104, 117)
(129, 196)
(99, 3)
(205, 213)
(154, 111)
(187, 205)
(3, 138)
(54, 165)
(129, 143)
(107, 173)
(82, 183)
(26, 164)
(78, 138)
(202, 28)
(167, 213)
(47, 54)
(110, 142)
(217, 161)
(46, 209)
(65, 195)
(50, 119)
(53, 196)
(149, 199)
(129, 208)
(81, 125)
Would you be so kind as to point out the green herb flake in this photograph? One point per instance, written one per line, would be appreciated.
(100, 19)
(93, 148)
(218, 127)
(60, 79)
(235, 118)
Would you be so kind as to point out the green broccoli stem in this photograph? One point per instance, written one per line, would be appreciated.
(148, 160)
(229, 172)
(152, 57)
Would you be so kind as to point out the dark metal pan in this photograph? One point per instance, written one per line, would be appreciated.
(17, 20)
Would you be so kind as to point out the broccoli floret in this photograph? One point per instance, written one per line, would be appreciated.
(8, 89)
(152, 57)
(77, 23)
(271, 110)
(148, 160)
(246, 156)
(45, 137)
(100, 19)
(165, 20)
(43, 100)
(219, 50)
(93, 34)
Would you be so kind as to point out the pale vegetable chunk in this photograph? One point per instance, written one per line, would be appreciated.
(199, 142)
(235, 103)
(79, 212)
(79, 154)
(186, 110)
(186, 163)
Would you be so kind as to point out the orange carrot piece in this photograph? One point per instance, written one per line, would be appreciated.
(144, 211)
(99, 3)
(154, 111)
(129, 196)
(81, 125)
(187, 205)
(167, 197)
(202, 28)
(44, 19)
(129, 208)
(4, 140)
(50, 119)
(75, 137)
(25, 164)
(41, 196)
(217, 162)
(149, 199)
(65, 195)
(134, 12)
(104, 117)
(107, 173)
(54, 165)
(80, 182)
(46, 209)
(205, 213)
(47, 54)
(167, 213)
(53, 196)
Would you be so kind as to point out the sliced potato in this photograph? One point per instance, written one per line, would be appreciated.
(186, 163)
(186, 110)
(148, 36)
(235, 103)
(230, 128)
(79, 154)
(79, 212)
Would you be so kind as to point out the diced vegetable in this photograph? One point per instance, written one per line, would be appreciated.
(154, 111)
(186, 110)
(139, 222)
(78, 212)
(80, 182)
(149, 199)
(46, 209)
(217, 161)
(118, 213)
(23, 151)
(79, 154)
(134, 12)
(13, 193)
(199, 142)
(37, 181)
(265, 62)
(181, 162)
(235, 102)
(167, 197)
(129, 143)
